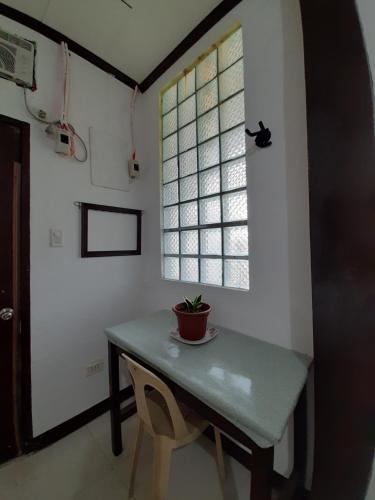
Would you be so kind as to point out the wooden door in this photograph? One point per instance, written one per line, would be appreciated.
(14, 333)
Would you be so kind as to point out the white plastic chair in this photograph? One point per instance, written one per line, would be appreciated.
(171, 425)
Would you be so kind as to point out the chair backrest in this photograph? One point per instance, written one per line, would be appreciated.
(142, 378)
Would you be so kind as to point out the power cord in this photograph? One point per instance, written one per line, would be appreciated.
(35, 116)
(84, 147)
(72, 129)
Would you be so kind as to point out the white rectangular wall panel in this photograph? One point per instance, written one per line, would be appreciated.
(109, 156)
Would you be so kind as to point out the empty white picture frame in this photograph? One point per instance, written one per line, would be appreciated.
(108, 231)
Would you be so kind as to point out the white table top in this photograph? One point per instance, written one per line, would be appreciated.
(254, 384)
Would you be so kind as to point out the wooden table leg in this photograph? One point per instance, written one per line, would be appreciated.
(300, 442)
(261, 474)
(294, 488)
(114, 390)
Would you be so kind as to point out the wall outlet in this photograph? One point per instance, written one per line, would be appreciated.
(94, 368)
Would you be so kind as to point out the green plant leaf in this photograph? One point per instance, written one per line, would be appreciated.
(189, 305)
(193, 305)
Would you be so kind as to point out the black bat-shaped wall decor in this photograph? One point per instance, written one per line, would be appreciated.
(262, 137)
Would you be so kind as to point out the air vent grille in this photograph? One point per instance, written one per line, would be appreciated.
(7, 57)
(17, 59)
(15, 40)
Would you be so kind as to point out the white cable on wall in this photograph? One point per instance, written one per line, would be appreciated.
(64, 120)
(65, 106)
(132, 119)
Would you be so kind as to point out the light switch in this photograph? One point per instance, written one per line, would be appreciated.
(55, 238)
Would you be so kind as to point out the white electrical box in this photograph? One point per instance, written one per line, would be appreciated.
(134, 169)
(63, 142)
(55, 238)
(17, 59)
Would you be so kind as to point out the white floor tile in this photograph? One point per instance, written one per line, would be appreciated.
(82, 467)
(7, 477)
(63, 468)
(100, 429)
(108, 487)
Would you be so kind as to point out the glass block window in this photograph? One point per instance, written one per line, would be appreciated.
(204, 183)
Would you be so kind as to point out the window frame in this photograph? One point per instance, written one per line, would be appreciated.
(221, 193)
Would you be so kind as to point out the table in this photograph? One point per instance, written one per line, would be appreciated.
(248, 388)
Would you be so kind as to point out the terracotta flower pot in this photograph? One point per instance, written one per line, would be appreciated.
(192, 326)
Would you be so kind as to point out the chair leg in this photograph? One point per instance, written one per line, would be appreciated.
(162, 462)
(135, 457)
(219, 455)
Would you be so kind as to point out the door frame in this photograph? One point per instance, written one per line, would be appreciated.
(342, 188)
(24, 360)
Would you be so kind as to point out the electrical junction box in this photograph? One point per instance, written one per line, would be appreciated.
(63, 141)
(134, 169)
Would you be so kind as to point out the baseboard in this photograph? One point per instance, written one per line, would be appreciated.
(60, 431)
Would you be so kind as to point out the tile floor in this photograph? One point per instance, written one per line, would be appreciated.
(82, 467)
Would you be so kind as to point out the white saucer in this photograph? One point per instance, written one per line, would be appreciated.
(210, 334)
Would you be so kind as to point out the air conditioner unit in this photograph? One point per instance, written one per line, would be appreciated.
(17, 59)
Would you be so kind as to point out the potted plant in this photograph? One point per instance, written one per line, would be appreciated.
(192, 318)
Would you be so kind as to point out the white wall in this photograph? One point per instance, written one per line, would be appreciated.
(278, 306)
(72, 299)
(371, 486)
(366, 10)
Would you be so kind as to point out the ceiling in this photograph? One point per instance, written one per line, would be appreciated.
(134, 40)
